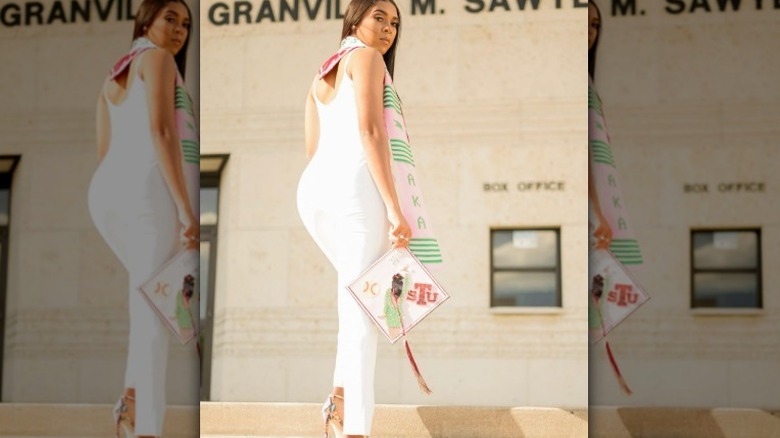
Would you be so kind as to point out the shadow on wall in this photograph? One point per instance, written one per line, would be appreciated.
(646, 422)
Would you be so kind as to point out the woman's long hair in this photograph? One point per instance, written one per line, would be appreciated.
(592, 50)
(146, 14)
(356, 10)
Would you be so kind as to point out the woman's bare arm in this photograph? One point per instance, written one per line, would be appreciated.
(603, 232)
(311, 132)
(103, 126)
(367, 69)
(158, 72)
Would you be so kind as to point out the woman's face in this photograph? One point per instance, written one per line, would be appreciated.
(170, 27)
(594, 23)
(379, 26)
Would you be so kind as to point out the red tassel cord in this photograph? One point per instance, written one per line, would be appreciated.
(612, 361)
(420, 380)
(621, 380)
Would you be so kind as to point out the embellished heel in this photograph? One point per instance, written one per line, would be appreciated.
(124, 423)
(332, 419)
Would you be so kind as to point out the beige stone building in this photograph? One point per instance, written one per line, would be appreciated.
(65, 321)
(691, 101)
(494, 100)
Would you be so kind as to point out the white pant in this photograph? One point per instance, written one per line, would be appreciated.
(143, 236)
(357, 339)
(349, 225)
(147, 356)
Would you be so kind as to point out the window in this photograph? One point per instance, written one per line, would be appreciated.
(210, 173)
(726, 268)
(525, 268)
(7, 167)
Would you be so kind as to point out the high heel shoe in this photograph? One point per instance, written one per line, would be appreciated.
(332, 419)
(124, 423)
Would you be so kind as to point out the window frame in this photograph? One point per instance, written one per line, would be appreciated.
(208, 233)
(758, 270)
(557, 270)
(6, 183)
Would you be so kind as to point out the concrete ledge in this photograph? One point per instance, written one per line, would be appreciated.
(394, 421)
(82, 420)
(654, 422)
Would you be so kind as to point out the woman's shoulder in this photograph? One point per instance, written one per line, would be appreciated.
(366, 59)
(157, 56)
(157, 61)
(367, 54)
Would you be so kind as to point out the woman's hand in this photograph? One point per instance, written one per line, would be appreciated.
(190, 233)
(603, 234)
(400, 232)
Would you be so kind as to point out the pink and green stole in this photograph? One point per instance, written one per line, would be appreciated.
(624, 246)
(185, 121)
(423, 244)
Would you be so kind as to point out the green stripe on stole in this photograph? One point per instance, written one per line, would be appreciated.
(191, 151)
(626, 251)
(601, 152)
(425, 249)
(594, 102)
(391, 99)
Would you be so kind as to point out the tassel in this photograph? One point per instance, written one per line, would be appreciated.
(420, 380)
(613, 362)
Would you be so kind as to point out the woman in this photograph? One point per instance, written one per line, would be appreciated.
(346, 196)
(142, 194)
(606, 208)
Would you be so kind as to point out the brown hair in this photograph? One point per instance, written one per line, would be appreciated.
(146, 14)
(356, 10)
(592, 50)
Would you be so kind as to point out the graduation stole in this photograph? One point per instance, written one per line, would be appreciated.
(185, 121)
(624, 245)
(423, 244)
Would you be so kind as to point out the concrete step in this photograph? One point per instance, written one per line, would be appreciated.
(302, 420)
(670, 422)
(45, 420)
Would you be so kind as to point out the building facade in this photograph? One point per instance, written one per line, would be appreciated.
(494, 99)
(65, 317)
(689, 100)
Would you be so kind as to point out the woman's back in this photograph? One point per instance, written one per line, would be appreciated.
(128, 184)
(339, 143)
(131, 140)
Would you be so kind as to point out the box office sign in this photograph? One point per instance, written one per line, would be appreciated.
(524, 186)
(725, 187)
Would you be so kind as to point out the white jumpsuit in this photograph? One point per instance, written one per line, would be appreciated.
(343, 211)
(134, 212)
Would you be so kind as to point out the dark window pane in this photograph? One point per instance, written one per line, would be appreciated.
(208, 205)
(525, 249)
(4, 207)
(725, 250)
(525, 289)
(725, 290)
(205, 251)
